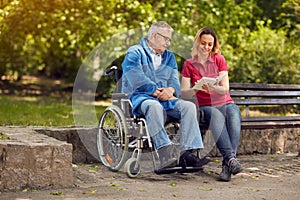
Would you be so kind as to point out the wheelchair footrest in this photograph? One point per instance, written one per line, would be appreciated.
(178, 169)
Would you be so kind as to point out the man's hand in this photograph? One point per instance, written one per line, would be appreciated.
(164, 94)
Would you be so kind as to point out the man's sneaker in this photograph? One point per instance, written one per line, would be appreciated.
(166, 161)
(234, 166)
(225, 174)
(189, 159)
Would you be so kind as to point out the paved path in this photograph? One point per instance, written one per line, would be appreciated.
(266, 177)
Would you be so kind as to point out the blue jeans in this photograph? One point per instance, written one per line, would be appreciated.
(225, 124)
(185, 112)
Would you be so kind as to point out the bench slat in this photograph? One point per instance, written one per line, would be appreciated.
(270, 124)
(271, 118)
(265, 93)
(267, 101)
(259, 86)
(262, 125)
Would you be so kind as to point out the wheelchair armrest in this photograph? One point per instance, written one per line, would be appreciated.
(119, 96)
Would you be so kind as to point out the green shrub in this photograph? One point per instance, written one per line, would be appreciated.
(267, 57)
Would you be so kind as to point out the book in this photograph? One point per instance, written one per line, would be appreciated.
(207, 80)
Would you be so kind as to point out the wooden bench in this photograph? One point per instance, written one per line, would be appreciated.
(250, 95)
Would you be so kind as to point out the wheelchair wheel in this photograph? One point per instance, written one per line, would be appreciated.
(112, 140)
(132, 167)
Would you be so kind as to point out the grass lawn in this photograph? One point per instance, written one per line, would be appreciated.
(37, 111)
(38, 101)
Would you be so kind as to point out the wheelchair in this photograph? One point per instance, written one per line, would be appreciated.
(123, 138)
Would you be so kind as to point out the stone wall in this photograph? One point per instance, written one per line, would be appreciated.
(263, 141)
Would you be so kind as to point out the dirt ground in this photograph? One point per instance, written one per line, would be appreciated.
(265, 177)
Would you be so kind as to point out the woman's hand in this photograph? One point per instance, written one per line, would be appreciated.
(209, 87)
(214, 88)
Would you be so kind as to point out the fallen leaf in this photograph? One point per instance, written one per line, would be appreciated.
(94, 166)
(115, 185)
(92, 171)
(56, 193)
(74, 166)
(173, 184)
(92, 191)
(205, 189)
(119, 189)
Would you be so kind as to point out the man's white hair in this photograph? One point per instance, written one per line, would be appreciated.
(156, 27)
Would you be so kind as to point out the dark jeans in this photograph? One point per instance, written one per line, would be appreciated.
(225, 124)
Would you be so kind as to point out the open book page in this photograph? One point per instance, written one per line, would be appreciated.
(208, 80)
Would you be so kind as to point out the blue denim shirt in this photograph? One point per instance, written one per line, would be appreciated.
(140, 79)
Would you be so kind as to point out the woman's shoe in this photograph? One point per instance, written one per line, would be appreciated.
(225, 174)
(234, 166)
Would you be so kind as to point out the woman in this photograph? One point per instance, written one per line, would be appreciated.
(220, 112)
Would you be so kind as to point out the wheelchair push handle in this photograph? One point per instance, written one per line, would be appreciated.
(116, 73)
(111, 69)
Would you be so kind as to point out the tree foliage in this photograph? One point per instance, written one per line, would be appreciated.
(259, 39)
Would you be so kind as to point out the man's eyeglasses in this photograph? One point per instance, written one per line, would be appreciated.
(165, 38)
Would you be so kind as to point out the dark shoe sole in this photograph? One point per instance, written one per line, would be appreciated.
(190, 169)
(224, 179)
(177, 169)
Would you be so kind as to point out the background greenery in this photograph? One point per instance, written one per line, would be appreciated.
(260, 39)
(51, 39)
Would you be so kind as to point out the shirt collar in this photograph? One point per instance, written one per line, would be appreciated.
(195, 59)
(153, 52)
(151, 49)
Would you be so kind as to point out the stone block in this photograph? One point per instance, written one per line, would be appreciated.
(32, 160)
(83, 140)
